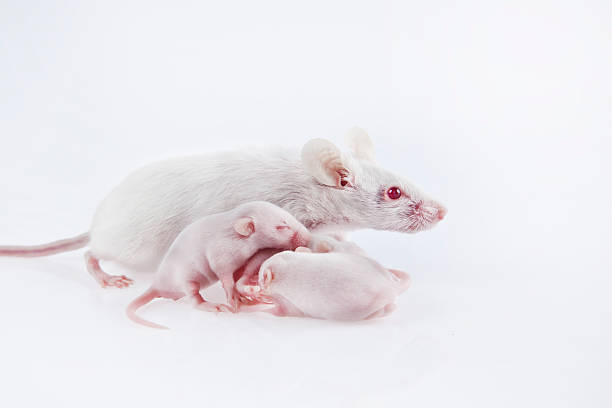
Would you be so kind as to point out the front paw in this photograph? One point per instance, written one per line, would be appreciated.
(251, 290)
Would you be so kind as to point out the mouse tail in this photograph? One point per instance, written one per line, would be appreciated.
(139, 302)
(55, 247)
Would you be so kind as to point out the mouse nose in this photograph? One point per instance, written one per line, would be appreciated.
(442, 212)
(298, 240)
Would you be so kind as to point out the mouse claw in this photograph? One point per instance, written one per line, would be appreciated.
(245, 300)
(225, 308)
(104, 279)
(214, 307)
(116, 281)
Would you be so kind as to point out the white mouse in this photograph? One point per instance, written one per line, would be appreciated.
(323, 187)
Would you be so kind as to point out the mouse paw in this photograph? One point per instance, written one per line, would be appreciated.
(226, 308)
(104, 279)
(251, 290)
(214, 307)
(246, 300)
(116, 281)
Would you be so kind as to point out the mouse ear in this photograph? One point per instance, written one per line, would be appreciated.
(244, 226)
(267, 276)
(360, 144)
(324, 161)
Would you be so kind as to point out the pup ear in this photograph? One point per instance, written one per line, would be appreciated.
(360, 144)
(268, 276)
(324, 161)
(244, 226)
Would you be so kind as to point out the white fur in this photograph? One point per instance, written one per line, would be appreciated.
(136, 223)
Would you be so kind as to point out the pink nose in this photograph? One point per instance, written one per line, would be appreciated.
(441, 213)
(298, 240)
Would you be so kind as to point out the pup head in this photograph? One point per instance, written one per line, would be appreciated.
(271, 226)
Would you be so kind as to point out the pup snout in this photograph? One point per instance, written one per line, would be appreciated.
(300, 239)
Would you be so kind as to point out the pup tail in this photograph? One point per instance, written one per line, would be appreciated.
(51, 248)
(402, 278)
(139, 302)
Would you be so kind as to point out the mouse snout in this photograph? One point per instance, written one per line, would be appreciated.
(441, 212)
(421, 216)
(300, 239)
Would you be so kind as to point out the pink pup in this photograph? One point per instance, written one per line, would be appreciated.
(215, 246)
(333, 285)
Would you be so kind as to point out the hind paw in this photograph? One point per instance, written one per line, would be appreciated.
(116, 281)
(214, 307)
(104, 279)
(251, 290)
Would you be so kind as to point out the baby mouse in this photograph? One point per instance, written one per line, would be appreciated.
(333, 285)
(213, 247)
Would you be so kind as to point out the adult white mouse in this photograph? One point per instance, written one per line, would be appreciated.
(333, 285)
(324, 188)
(212, 248)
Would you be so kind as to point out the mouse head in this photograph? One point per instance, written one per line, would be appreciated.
(270, 226)
(364, 194)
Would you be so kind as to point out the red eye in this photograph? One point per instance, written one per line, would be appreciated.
(394, 193)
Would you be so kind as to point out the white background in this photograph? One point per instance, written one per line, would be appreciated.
(502, 110)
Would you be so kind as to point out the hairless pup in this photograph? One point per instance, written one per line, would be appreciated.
(324, 188)
(213, 247)
(333, 285)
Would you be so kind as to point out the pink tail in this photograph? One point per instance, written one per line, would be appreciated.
(139, 302)
(403, 278)
(51, 248)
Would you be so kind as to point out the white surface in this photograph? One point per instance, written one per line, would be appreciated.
(500, 110)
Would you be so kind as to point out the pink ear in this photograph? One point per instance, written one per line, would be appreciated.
(325, 162)
(268, 276)
(244, 226)
(360, 144)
